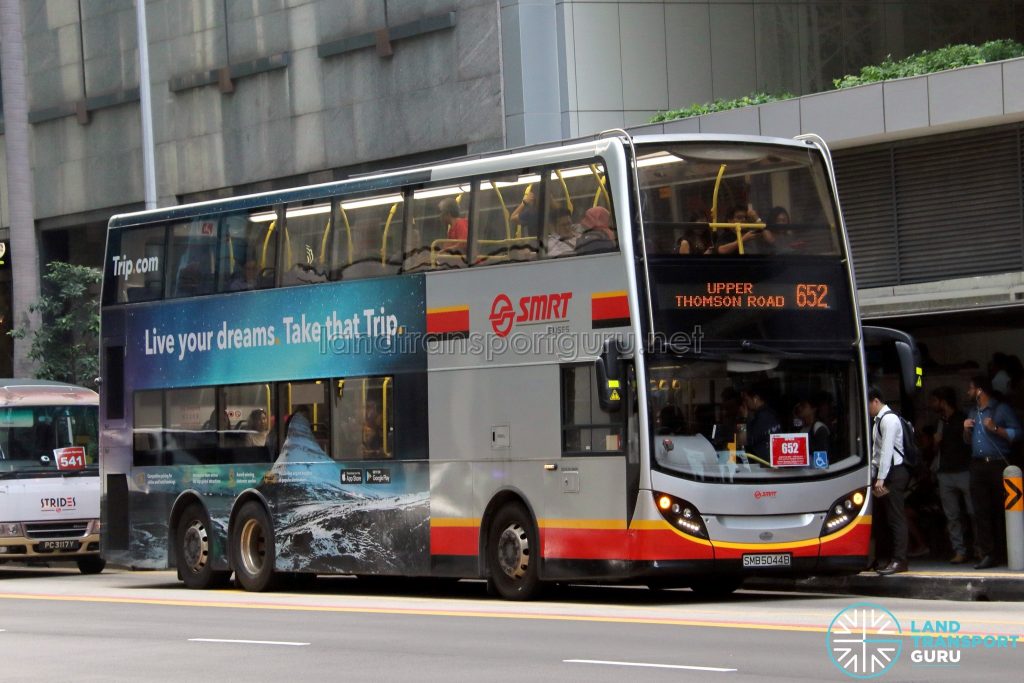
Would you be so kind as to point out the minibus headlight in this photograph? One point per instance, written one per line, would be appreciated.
(681, 514)
(842, 512)
(94, 526)
(10, 529)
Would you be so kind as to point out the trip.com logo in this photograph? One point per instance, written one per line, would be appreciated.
(502, 315)
(864, 640)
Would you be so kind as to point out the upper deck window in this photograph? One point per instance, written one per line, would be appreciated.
(135, 265)
(506, 218)
(307, 237)
(368, 240)
(192, 253)
(713, 199)
(577, 211)
(438, 236)
(248, 250)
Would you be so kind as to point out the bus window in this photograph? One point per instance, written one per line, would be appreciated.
(135, 260)
(439, 233)
(369, 237)
(307, 235)
(578, 212)
(191, 426)
(505, 219)
(192, 254)
(251, 435)
(586, 429)
(147, 434)
(309, 399)
(248, 250)
(364, 418)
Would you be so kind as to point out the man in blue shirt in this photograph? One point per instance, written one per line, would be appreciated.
(990, 428)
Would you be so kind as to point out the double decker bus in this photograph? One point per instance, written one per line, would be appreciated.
(632, 359)
(49, 474)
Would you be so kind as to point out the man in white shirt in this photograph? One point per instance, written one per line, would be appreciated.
(890, 477)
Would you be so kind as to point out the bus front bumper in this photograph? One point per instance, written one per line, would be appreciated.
(25, 548)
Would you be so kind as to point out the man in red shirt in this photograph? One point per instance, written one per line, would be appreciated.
(458, 227)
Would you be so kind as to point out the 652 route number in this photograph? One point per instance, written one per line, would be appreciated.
(812, 296)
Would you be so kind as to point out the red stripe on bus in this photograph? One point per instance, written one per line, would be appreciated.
(448, 321)
(454, 540)
(853, 543)
(609, 308)
(619, 544)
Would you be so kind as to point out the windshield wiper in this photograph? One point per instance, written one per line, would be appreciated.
(747, 345)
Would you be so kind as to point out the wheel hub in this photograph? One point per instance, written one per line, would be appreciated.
(196, 546)
(253, 547)
(514, 551)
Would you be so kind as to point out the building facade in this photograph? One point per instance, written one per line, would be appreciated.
(250, 95)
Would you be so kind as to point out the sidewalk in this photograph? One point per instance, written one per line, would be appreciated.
(927, 579)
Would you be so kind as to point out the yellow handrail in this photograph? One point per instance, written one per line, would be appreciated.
(714, 197)
(384, 418)
(504, 210)
(384, 239)
(600, 178)
(738, 227)
(565, 190)
(348, 231)
(323, 242)
(266, 243)
(434, 249)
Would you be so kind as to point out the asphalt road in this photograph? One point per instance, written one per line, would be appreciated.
(57, 625)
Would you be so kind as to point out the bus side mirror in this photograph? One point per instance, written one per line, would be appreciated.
(906, 352)
(609, 376)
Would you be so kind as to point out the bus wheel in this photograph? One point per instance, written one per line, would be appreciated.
(192, 550)
(716, 587)
(92, 564)
(513, 553)
(252, 548)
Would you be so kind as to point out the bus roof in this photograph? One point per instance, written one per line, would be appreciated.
(40, 392)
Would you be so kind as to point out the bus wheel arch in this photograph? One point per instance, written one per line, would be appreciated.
(191, 543)
(252, 546)
(511, 553)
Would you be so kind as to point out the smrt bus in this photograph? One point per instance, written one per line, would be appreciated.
(630, 359)
(49, 474)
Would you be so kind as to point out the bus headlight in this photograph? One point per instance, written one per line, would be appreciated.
(681, 514)
(10, 529)
(94, 527)
(843, 511)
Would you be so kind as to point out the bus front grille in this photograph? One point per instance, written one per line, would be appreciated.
(44, 530)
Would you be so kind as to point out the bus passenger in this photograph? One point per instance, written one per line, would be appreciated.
(697, 239)
(562, 242)
(762, 421)
(258, 428)
(728, 244)
(598, 233)
(451, 217)
(805, 419)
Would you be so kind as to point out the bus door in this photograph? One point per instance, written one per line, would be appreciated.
(586, 486)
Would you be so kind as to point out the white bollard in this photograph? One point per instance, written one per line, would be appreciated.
(1014, 506)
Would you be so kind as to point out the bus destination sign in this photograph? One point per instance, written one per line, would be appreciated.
(753, 295)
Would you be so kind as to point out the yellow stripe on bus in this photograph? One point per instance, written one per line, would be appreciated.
(608, 295)
(447, 309)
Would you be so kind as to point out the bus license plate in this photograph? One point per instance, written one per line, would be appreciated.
(768, 560)
(59, 545)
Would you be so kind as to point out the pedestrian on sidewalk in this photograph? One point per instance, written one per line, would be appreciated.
(953, 469)
(990, 429)
(890, 477)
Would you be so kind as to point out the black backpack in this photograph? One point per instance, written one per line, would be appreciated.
(907, 448)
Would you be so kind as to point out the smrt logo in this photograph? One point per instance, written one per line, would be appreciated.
(535, 308)
(758, 495)
(57, 504)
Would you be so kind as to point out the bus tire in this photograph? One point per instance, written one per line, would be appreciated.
(513, 554)
(716, 587)
(192, 546)
(252, 548)
(93, 564)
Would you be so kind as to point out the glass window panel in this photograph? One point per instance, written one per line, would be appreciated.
(306, 247)
(308, 399)
(439, 231)
(506, 218)
(369, 238)
(252, 432)
(135, 264)
(192, 254)
(586, 428)
(248, 250)
(364, 415)
(577, 210)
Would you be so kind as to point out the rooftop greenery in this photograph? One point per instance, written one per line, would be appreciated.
(925, 62)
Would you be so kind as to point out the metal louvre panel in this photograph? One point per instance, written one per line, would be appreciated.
(44, 530)
(864, 180)
(959, 206)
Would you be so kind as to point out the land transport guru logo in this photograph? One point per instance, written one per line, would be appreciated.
(533, 308)
(865, 640)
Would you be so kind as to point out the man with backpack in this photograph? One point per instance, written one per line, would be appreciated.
(890, 476)
(990, 428)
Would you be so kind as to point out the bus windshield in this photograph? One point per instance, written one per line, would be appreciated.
(755, 417)
(37, 439)
(718, 199)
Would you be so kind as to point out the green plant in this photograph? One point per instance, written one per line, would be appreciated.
(930, 61)
(65, 348)
(719, 105)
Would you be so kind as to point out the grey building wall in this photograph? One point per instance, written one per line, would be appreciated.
(621, 61)
(288, 111)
